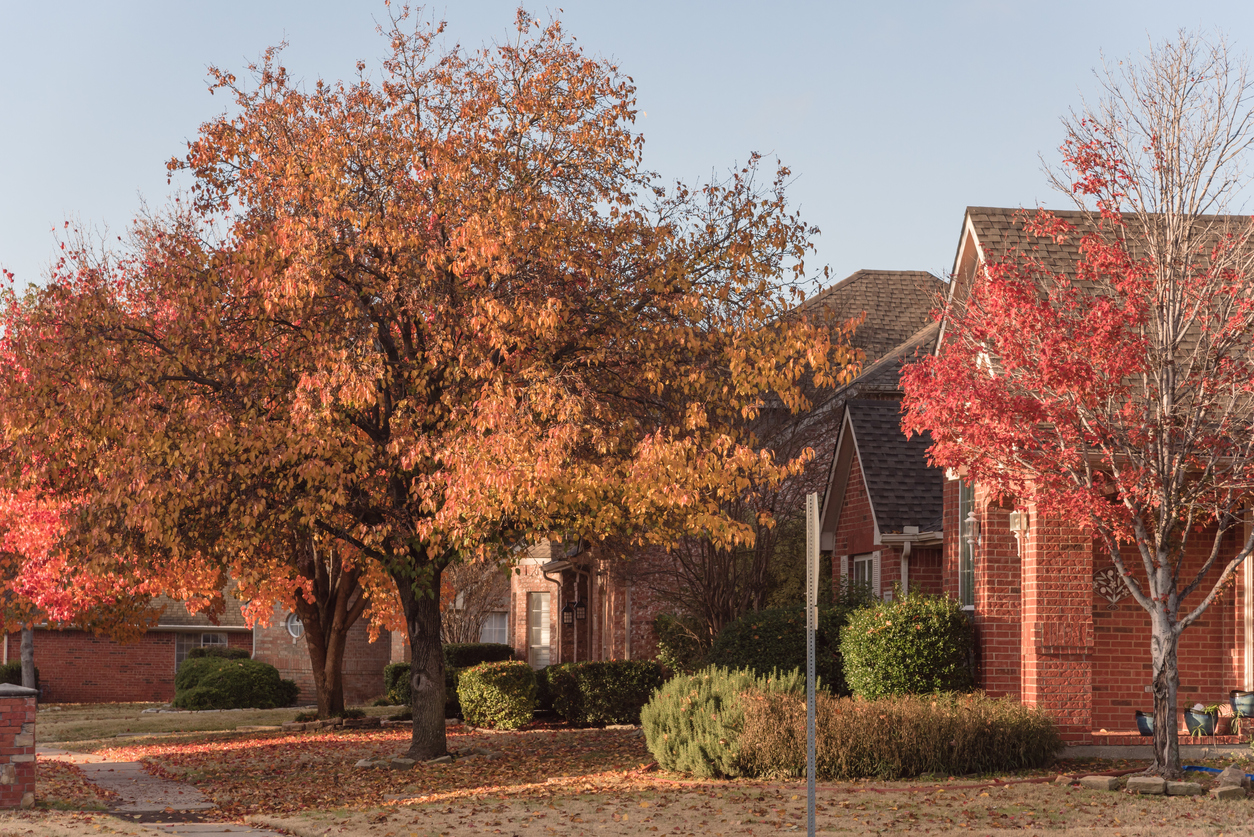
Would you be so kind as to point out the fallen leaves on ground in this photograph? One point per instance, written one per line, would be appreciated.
(285, 773)
(62, 785)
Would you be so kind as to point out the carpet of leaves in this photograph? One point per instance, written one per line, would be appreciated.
(62, 785)
(281, 773)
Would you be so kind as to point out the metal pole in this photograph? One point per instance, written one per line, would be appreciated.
(812, 624)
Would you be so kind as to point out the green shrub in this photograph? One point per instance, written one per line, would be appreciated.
(223, 651)
(677, 645)
(914, 645)
(603, 692)
(775, 639)
(544, 692)
(500, 695)
(219, 683)
(396, 683)
(894, 737)
(11, 673)
(456, 657)
(692, 724)
(467, 654)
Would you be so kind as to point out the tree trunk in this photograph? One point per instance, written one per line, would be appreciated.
(338, 602)
(1164, 648)
(326, 658)
(426, 667)
(28, 656)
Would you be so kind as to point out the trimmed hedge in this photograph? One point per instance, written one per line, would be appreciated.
(220, 683)
(603, 692)
(223, 651)
(775, 639)
(457, 656)
(916, 644)
(693, 722)
(895, 737)
(11, 673)
(500, 695)
(544, 692)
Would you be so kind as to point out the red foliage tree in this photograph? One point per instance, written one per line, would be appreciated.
(1119, 394)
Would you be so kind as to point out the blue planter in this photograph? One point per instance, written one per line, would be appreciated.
(1242, 703)
(1144, 723)
(1199, 723)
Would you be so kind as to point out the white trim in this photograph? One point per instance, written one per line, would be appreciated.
(1247, 578)
(844, 566)
(875, 574)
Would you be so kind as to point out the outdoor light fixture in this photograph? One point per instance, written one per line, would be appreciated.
(581, 610)
(1019, 525)
(568, 615)
(971, 529)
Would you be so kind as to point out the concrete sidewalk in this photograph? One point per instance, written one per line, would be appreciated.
(143, 794)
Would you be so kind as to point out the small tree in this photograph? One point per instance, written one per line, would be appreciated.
(469, 591)
(1120, 393)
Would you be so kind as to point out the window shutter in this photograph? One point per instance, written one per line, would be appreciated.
(844, 567)
(875, 573)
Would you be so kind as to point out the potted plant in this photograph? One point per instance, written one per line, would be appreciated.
(1144, 723)
(1242, 703)
(1201, 720)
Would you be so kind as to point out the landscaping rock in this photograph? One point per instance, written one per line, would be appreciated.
(1063, 780)
(403, 764)
(1228, 792)
(1233, 777)
(372, 764)
(440, 760)
(1184, 789)
(1103, 783)
(1147, 784)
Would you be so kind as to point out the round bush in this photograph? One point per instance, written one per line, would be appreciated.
(914, 645)
(693, 723)
(500, 695)
(603, 692)
(775, 639)
(219, 683)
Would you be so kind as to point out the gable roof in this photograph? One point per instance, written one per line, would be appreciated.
(897, 304)
(904, 490)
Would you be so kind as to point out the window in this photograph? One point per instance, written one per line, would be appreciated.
(495, 628)
(863, 569)
(185, 642)
(966, 545)
(295, 627)
(538, 629)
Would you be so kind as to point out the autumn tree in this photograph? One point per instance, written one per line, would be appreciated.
(441, 312)
(469, 592)
(1118, 393)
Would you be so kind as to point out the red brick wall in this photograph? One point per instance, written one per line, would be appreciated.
(1210, 653)
(855, 531)
(363, 660)
(17, 751)
(78, 667)
(528, 579)
(927, 569)
(997, 603)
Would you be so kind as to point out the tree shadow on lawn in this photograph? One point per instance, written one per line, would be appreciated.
(283, 773)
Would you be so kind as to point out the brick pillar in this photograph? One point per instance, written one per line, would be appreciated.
(1057, 638)
(17, 746)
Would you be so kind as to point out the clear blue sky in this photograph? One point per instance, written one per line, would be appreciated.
(894, 116)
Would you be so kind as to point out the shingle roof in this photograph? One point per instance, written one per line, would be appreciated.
(176, 614)
(904, 489)
(897, 304)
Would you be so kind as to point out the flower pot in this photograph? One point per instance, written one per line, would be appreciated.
(1144, 723)
(1242, 703)
(1199, 723)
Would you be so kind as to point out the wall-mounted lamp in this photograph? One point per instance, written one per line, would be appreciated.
(581, 610)
(971, 529)
(1019, 525)
(568, 614)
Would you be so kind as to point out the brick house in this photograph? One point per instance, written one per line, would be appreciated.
(567, 604)
(78, 667)
(1055, 625)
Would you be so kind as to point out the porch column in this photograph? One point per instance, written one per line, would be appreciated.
(1057, 639)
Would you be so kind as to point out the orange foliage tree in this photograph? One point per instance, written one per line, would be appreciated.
(427, 316)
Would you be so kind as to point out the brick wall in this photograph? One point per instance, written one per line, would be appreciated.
(927, 569)
(78, 667)
(363, 660)
(997, 603)
(17, 747)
